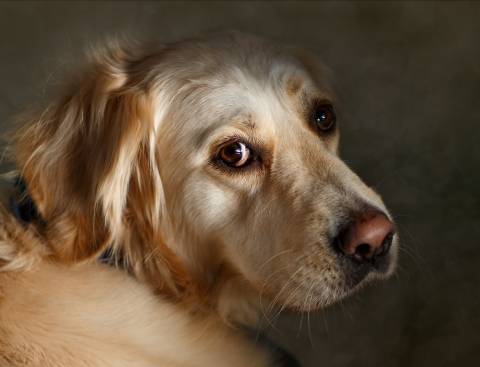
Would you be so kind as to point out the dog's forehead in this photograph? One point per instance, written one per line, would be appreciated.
(242, 101)
(247, 81)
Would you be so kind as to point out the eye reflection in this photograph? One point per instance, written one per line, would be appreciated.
(323, 116)
(235, 154)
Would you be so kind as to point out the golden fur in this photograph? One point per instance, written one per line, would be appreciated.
(124, 159)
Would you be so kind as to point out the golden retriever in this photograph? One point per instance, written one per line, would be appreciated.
(208, 170)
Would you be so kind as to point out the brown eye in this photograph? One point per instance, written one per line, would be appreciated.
(235, 154)
(323, 116)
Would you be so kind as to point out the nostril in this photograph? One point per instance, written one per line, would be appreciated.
(363, 252)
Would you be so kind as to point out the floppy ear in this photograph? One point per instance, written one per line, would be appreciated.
(82, 156)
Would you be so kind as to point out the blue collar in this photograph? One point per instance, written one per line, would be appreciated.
(21, 204)
(24, 209)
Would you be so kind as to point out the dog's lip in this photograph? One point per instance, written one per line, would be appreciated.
(377, 269)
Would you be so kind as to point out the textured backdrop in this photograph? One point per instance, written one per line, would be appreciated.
(408, 76)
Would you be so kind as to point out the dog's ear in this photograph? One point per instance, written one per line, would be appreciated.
(87, 154)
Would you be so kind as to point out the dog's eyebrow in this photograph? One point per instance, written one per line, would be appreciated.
(294, 84)
(244, 123)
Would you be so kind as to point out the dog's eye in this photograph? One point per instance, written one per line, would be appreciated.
(323, 116)
(235, 154)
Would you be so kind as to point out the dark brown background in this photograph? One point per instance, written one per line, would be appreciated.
(408, 75)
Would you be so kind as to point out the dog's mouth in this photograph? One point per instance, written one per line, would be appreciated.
(351, 275)
(320, 284)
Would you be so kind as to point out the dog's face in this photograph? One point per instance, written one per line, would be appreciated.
(252, 177)
(216, 154)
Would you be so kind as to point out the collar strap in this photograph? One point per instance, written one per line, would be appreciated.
(21, 204)
(24, 209)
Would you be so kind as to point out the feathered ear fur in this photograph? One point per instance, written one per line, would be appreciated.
(90, 164)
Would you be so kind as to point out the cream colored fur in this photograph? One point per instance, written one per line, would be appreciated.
(127, 157)
(92, 315)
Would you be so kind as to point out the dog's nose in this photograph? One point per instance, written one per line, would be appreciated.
(369, 236)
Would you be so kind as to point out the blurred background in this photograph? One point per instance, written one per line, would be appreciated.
(408, 77)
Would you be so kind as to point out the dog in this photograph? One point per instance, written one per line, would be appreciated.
(206, 171)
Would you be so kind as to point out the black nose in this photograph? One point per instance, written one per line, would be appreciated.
(368, 237)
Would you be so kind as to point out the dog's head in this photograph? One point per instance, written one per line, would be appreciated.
(204, 161)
